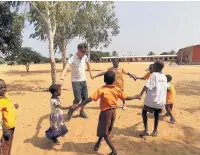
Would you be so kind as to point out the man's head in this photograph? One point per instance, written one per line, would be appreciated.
(82, 50)
(109, 77)
(158, 66)
(3, 88)
(115, 62)
(55, 89)
(169, 78)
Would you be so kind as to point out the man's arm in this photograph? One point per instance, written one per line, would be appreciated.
(62, 77)
(89, 69)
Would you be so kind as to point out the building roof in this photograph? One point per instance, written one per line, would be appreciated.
(149, 56)
(186, 48)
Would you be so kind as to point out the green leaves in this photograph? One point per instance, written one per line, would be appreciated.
(11, 25)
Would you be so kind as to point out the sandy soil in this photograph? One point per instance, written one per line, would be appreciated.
(29, 90)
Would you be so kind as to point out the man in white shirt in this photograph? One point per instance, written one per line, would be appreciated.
(79, 85)
(155, 99)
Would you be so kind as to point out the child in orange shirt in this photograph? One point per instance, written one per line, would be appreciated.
(119, 80)
(108, 95)
(147, 76)
(171, 97)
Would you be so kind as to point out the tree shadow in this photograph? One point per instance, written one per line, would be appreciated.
(131, 131)
(188, 88)
(192, 110)
(40, 142)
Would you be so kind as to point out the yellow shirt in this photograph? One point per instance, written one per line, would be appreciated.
(7, 112)
(171, 94)
(119, 80)
(108, 94)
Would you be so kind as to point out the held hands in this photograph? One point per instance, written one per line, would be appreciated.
(75, 106)
(138, 97)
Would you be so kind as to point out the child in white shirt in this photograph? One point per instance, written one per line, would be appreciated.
(155, 99)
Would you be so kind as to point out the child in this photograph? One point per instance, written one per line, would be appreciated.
(119, 80)
(171, 96)
(57, 126)
(8, 115)
(147, 76)
(155, 99)
(108, 95)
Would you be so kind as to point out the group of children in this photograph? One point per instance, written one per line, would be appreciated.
(159, 91)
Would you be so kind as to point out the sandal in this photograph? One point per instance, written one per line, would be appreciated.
(154, 134)
(96, 148)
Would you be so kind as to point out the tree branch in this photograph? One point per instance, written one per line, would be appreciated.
(39, 11)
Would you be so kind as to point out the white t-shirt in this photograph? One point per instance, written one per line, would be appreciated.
(157, 91)
(78, 68)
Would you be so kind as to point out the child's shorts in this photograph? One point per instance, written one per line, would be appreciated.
(152, 110)
(106, 122)
(169, 106)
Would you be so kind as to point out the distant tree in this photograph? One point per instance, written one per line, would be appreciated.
(164, 53)
(11, 25)
(114, 54)
(27, 55)
(172, 52)
(95, 56)
(151, 53)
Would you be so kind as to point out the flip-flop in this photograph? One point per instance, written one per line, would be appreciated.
(144, 134)
(172, 121)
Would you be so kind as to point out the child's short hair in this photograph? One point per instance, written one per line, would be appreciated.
(158, 66)
(53, 88)
(169, 78)
(109, 77)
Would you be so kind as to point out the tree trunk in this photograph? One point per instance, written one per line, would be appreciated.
(27, 67)
(63, 49)
(52, 58)
(89, 55)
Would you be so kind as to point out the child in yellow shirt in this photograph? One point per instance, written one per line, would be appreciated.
(171, 97)
(8, 115)
(119, 80)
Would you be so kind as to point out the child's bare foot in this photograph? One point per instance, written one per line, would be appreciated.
(172, 121)
(124, 107)
(154, 134)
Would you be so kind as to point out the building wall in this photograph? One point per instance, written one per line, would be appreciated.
(196, 55)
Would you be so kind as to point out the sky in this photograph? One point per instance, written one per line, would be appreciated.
(144, 27)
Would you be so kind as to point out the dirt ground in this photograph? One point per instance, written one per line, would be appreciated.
(29, 90)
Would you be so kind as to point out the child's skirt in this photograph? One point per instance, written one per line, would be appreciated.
(58, 128)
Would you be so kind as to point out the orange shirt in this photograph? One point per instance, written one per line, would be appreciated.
(171, 94)
(147, 76)
(108, 95)
(119, 80)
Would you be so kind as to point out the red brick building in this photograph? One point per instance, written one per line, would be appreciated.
(189, 55)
